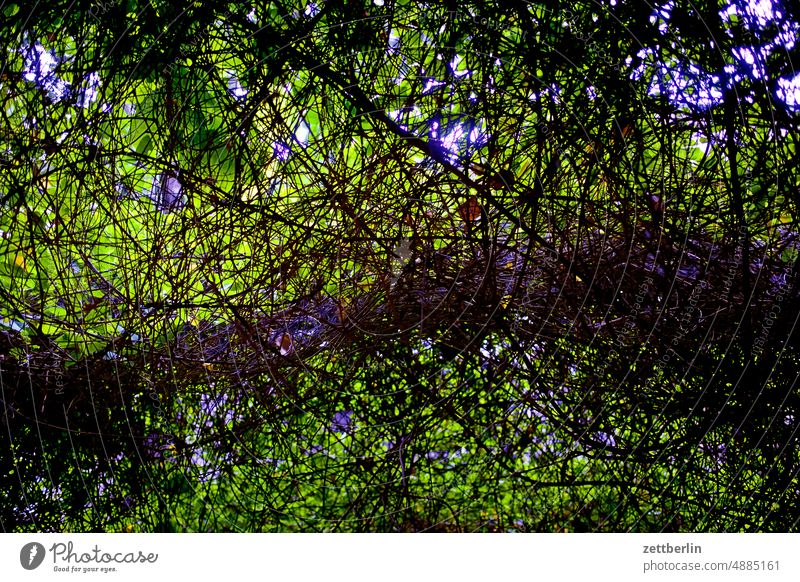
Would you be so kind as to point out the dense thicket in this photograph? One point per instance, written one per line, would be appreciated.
(382, 266)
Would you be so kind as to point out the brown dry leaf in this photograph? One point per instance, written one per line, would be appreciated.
(477, 168)
(627, 130)
(470, 211)
(92, 304)
(502, 180)
(285, 344)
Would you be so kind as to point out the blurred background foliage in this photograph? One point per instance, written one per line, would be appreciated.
(391, 266)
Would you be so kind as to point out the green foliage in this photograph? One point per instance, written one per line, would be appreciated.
(352, 267)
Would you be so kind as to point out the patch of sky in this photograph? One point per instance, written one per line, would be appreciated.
(40, 68)
(281, 151)
(690, 86)
(431, 85)
(459, 68)
(302, 133)
(235, 87)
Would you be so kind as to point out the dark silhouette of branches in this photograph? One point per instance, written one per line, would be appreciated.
(378, 268)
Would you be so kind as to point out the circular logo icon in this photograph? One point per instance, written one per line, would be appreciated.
(31, 555)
